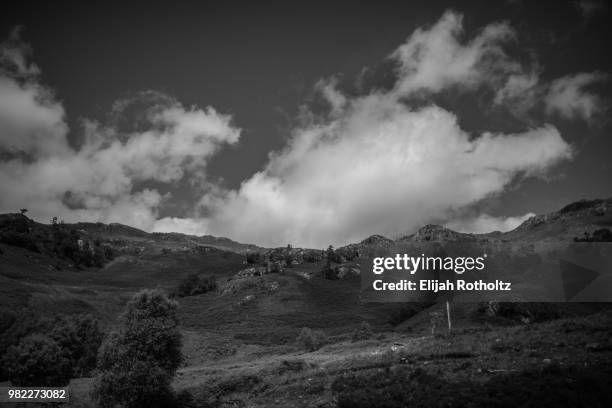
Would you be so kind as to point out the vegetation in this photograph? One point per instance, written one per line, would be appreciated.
(138, 360)
(600, 235)
(195, 284)
(58, 239)
(38, 360)
(526, 312)
(363, 332)
(310, 340)
(551, 386)
(254, 258)
(70, 342)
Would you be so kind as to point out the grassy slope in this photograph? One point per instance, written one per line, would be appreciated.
(482, 355)
(244, 350)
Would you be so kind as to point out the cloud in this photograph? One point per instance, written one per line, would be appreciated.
(520, 93)
(569, 98)
(385, 162)
(380, 168)
(102, 178)
(433, 59)
(375, 164)
(31, 121)
(485, 223)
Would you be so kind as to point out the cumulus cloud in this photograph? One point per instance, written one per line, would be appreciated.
(381, 168)
(99, 180)
(434, 58)
(31, 121)
(372, 163)
(570, 98)
(486, 223)
(375, 164)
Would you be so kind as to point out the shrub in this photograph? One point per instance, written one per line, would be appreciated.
(195, 284)
(600, 235)
(254, 258)
(310, 340)
(363, 332)
(527, 312)
(19, 239)
(552, 386)
(78, 337)
(38, 361)
(138, 360)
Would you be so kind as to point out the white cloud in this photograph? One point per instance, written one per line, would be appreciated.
(433, 59)
(520, 93)
(569, 98)
(372, 164)
(31, 121)
(376, 165)
(486, 223)
(183, 225)
(98, 181)
(382, 168)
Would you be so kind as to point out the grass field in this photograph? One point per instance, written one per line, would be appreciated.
(239, 341)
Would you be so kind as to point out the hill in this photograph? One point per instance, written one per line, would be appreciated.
(241, 336)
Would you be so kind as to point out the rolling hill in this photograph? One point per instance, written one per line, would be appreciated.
(248, 326)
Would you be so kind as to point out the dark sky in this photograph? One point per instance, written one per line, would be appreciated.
(258, 61)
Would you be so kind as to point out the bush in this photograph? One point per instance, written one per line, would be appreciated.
(363, 332)
(600, 235)
(527, 312)
(195, 284)
(19, 239)
(38, 361)
(254, 258)
(138, 360)
(552, 386)
(78, 337)
(310, 340)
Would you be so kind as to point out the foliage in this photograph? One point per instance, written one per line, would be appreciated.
(331, 255)
(138, 360)
(78, 338)
(254, 258)
(59, 239)
(19, 239)
(600, 235)
(310, 340)
(527, 312)
(363, 332)
(38, 360)
(552, 386)
(195, 284)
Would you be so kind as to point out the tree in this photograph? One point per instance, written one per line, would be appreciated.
(23, 211)
(195, 284)
(77, 336)
(80, 336)
(138, 360)
(329, 255)
(38, 361)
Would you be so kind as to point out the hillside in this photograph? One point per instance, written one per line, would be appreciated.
(36, 265)
(240, 339)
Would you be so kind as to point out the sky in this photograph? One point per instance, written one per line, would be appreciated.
(312, 124)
